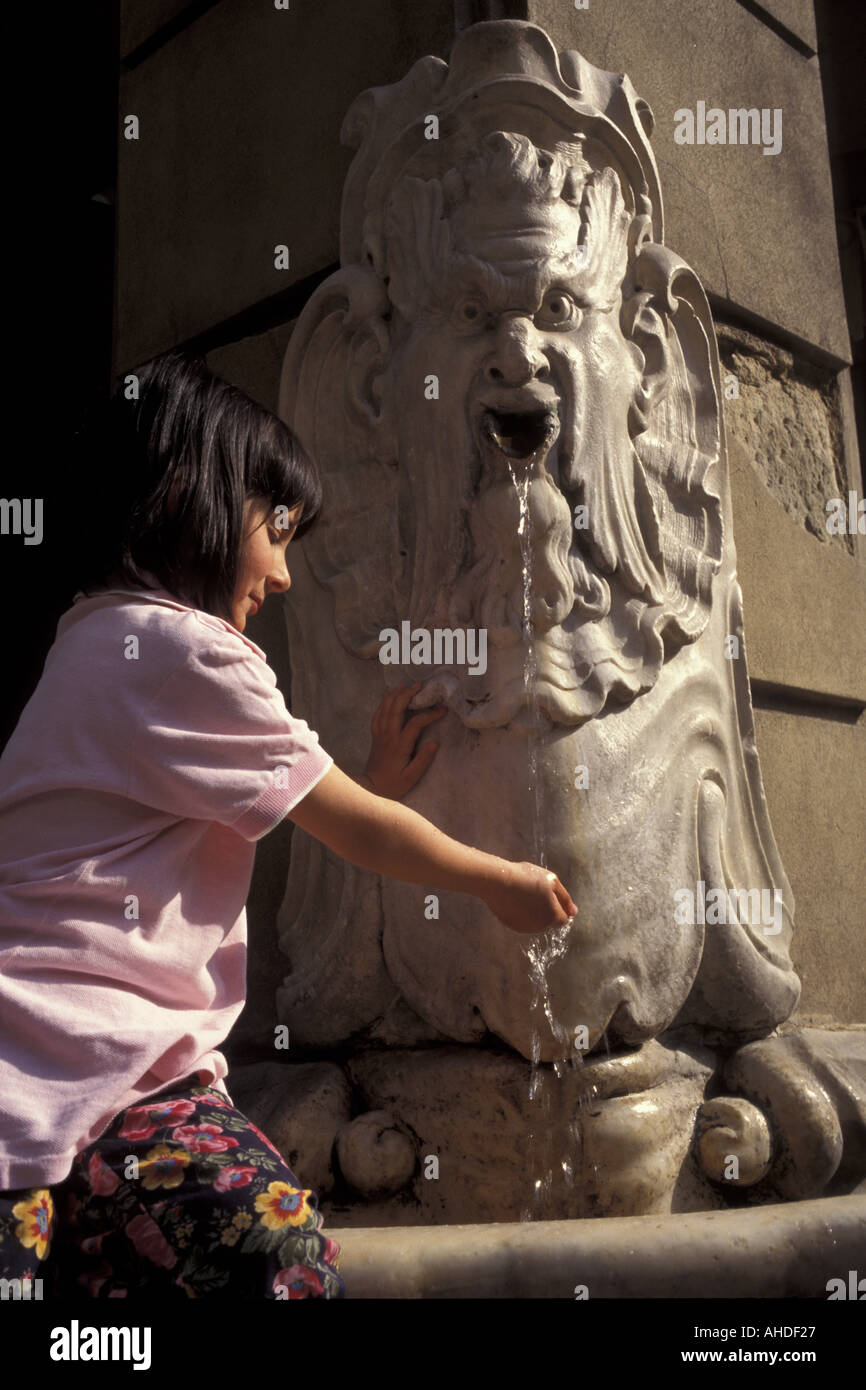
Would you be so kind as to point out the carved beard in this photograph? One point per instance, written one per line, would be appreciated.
(603, 611)
(589, 642)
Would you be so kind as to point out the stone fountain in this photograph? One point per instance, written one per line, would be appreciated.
(508, 327)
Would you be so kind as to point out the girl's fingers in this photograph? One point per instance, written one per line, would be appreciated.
(561, 896)
(558, 907)
(421, 761)
(404, 694)
(382, 717)
(387, 722)
(565, 899)
(380, 714)
(400, 699)
(413, 727)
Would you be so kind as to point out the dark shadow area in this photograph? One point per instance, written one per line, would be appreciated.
(60, 199)
(468, 12)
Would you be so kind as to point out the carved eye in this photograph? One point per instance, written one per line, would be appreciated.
(471, 311)
(558, 310)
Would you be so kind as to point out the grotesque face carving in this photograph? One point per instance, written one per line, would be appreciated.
(510, 371)
(506, 280)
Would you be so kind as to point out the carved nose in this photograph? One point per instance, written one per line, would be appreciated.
(516, 357)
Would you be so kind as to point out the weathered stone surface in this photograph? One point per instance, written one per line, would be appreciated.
(719, 53)
(300, 1107)
(240, 152)
(790, 1251)
(786, 415)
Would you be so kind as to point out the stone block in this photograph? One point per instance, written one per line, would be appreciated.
(786, 413)
(751, 225)
(816, 793)
(804, 598)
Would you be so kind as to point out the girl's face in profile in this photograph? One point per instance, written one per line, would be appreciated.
(263, 562)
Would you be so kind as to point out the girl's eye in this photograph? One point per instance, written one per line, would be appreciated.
(558, 310)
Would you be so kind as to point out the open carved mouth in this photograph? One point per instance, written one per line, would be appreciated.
(520, 434)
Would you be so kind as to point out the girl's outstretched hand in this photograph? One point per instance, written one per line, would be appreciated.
(391, 769)
(528, 898)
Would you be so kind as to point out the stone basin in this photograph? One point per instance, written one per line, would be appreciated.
(791, 1250)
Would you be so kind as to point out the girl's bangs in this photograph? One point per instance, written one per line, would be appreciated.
(280, 470)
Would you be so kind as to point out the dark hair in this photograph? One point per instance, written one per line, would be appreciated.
(171, 471)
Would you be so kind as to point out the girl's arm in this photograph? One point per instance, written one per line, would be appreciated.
(386, 837)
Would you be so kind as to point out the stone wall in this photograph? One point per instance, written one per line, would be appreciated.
(240, 113)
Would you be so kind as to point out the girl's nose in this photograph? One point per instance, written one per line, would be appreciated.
(279, 579)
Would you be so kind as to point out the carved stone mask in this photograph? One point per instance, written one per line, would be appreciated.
(507, 316)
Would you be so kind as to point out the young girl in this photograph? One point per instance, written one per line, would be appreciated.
(154, 753)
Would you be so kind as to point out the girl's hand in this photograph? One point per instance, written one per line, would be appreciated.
(527, 898)
(391, 768)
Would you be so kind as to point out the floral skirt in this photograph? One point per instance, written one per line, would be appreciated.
(181, 1197)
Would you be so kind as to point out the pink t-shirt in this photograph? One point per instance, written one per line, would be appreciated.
(154, 752)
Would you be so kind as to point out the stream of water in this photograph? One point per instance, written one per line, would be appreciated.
(554, 1136)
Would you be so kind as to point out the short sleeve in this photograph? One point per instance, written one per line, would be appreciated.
(219, 744)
